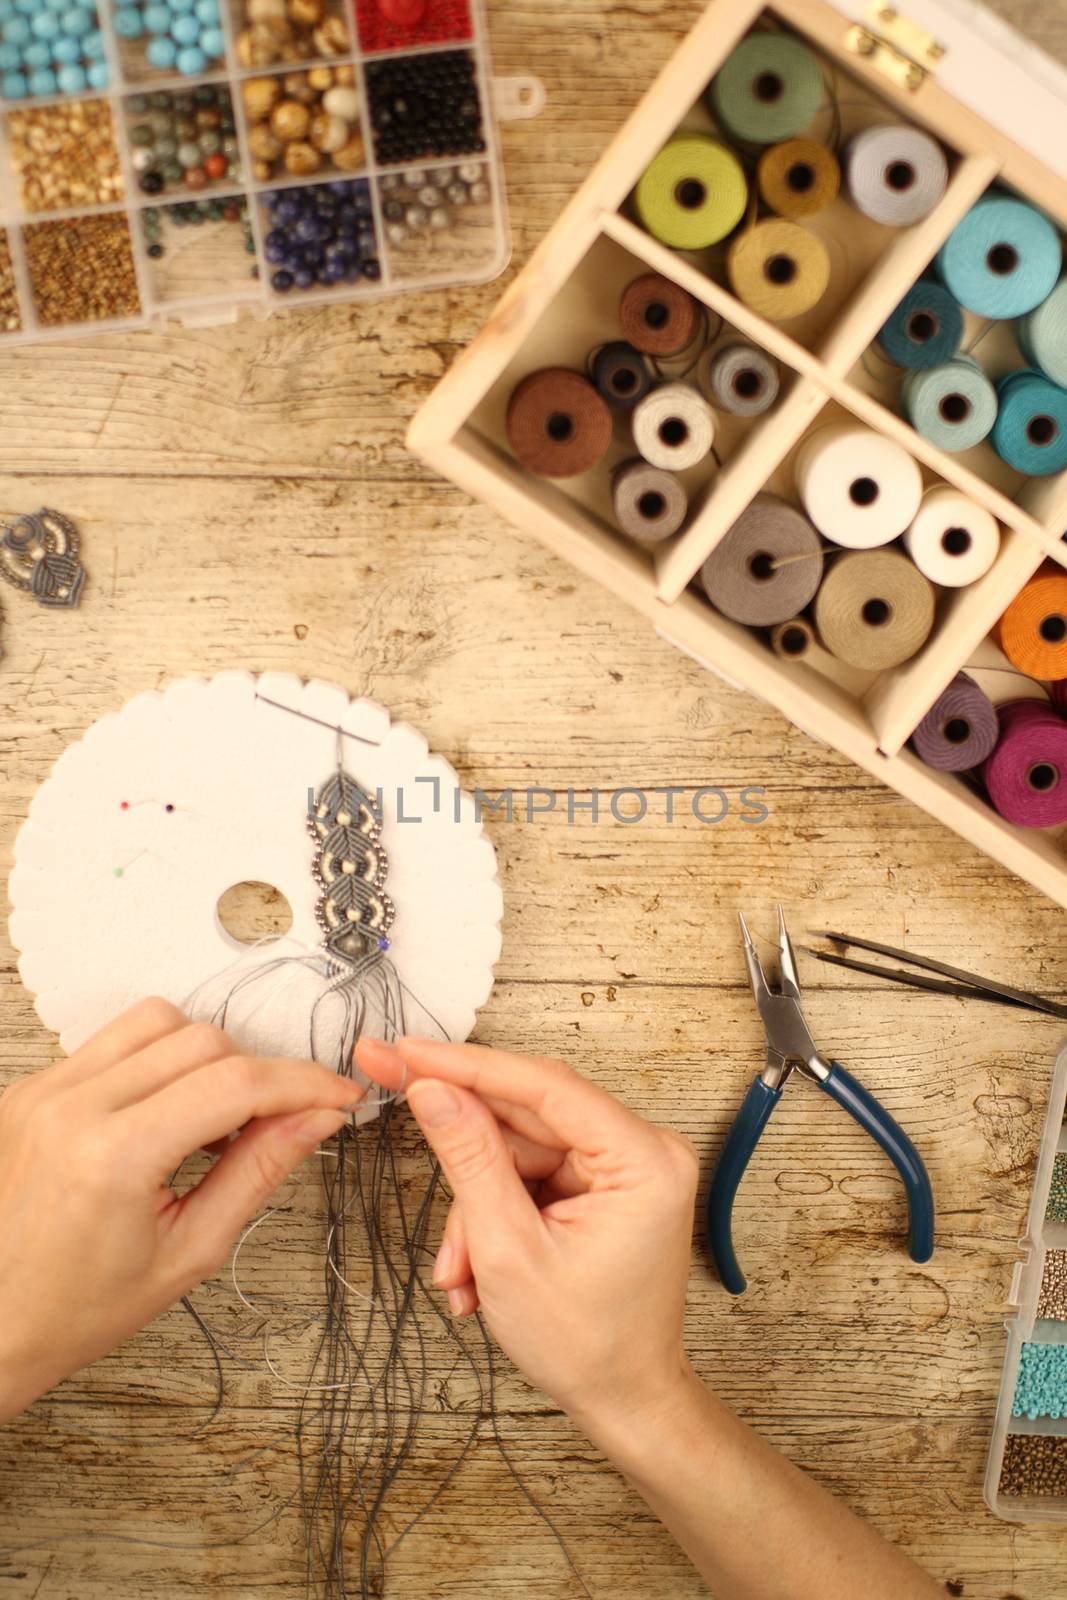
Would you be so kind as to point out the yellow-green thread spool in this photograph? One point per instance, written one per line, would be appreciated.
(692, 194)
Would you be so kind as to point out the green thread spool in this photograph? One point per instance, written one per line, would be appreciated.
(1042, 335)
(769, 89)
(692, 194)
(953, 405)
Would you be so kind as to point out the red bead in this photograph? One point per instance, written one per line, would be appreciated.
(402, 13)
(124, 805)
(215, 166)
(195, 178)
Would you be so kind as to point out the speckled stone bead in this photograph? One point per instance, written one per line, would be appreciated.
(177, 138)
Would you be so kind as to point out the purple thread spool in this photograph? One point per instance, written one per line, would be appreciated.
(1026, 776)
(960, 730)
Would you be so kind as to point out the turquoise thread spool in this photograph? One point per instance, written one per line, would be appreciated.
(925, 330)
(1042, 335)
(1030, 432)
(1002, 260)
(953, 405)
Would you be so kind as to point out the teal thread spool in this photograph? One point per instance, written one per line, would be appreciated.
(1030, 432)
(1042, 335)
(769, 89)
(925, 330)
(1002, 260)
(953, 405)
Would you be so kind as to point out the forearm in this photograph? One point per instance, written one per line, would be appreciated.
(754, 1526)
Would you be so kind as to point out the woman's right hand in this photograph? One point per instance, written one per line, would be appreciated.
(571, 1222)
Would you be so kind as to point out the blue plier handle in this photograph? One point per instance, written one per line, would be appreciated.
(790, 1046)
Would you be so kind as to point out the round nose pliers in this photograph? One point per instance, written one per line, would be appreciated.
(790, 1047)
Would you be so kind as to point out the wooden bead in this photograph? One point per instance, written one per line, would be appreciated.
(342, 102)
(289, 120)
(263, 144)
(327, 133)
(351, 156)
(331, 38)
(302, 158)
(260, 96)
(306, 13)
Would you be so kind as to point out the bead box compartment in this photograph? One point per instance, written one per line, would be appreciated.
(464, 243)
(1028, 1328)
(1013, 138)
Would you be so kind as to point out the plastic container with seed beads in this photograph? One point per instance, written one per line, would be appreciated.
(1027, 1475)
(229, 156)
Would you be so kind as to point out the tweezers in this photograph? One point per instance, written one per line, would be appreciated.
(966, 984)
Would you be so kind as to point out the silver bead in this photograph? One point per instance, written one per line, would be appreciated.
(441, 177)
(396, 233)
(389, 183)
(416, 217)
(428, 196)
(414, 177)
(439, 218)
(470, 171)
(457, 194)
(480, 193)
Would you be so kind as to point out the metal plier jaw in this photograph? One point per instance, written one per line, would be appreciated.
(790, 1047)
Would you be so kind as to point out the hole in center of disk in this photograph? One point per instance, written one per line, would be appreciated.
(922, 327)
(900, 175)
(794, 641)
(800, 177)
(957, 730)
(624, 380)
(1002, 259)
(1042, 430)
(780, 269)
(1042, 777)
(956, 541)
(673, 432)
(559, 426)
(954, 407)
(768, 87)
(251, 911)
(657, 315)
(761, 566)
(863, 491)
(651, 505)
(747, 383)
(1053, 628)
(690, 194)
(876, 613)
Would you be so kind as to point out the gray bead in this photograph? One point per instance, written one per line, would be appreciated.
(441, 177)
(189, 154)
(480, 193)
(457, 194)
(439, 218)
(166, 148)
(396, 233)
(389, 184)
(209, 142)
(428, 196)
(393, 211)
(416, 216)
(414, 177)
(470, 171)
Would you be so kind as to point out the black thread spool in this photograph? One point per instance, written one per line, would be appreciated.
(621, 376)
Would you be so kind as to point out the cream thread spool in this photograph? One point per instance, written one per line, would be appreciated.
(860, 489)
(952, 541)
(673, 427)
(874, 609)
(650, 503)
(778, 269)
(894, 174)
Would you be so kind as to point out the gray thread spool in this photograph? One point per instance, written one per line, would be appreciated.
(894, 174)
(765, 568)
(650, 503)
(740, 379)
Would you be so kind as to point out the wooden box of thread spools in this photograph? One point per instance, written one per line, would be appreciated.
(790, 376)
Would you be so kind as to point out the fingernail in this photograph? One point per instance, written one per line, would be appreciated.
(445, 1257)
(379, 1059)
(457, 1301)
(436, 1104)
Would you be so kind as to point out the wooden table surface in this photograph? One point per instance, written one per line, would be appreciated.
(246, 500)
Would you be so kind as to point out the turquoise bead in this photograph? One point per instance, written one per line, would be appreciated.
(178, 6)
(13, 86)
(208, 12)
(1041, 1390)
(93, 45)
(157, 18)
(212, 43)
(37, 54)
(43, 81)
(57, 5)
(191, 61)
(185, 29)
(10, 57)
(26, 7)
(46, 25)
(65, 49)
(98, 75)
(78, 22)
(16, 31)
(7, 9)
(72, 79)
(161, 53)
(128, 22)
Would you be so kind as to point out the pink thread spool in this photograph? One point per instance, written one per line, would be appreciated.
(1026, 776)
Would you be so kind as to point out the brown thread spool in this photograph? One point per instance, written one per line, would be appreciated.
(793, 640)
(657, 317)
(779, 269)
(798, 178)
(875, 609)
(650, 503)
(557, 424)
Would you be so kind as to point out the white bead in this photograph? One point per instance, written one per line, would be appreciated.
(480, 193)
(396, 233)
(342, 101)
(416, 216)
(441, 177)
(470, 171)
(457, 194)
(414, 177)
(439, 217)
(428, 196)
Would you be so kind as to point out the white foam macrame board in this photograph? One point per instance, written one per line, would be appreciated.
(236, 764)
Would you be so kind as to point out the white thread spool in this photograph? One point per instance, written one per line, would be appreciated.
(673, 427)
(860, 489)
(894, 174)
(952, 540)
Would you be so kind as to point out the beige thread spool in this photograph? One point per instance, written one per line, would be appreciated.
(673, 427)
(875, 609)
(779, 269)
(650, 504)
(798, 178)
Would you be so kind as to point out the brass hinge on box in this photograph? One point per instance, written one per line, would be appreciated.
(895, 46)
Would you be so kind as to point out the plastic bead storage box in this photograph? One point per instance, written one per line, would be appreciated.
(1027, 1477)
(187, 158)
(818, 213)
